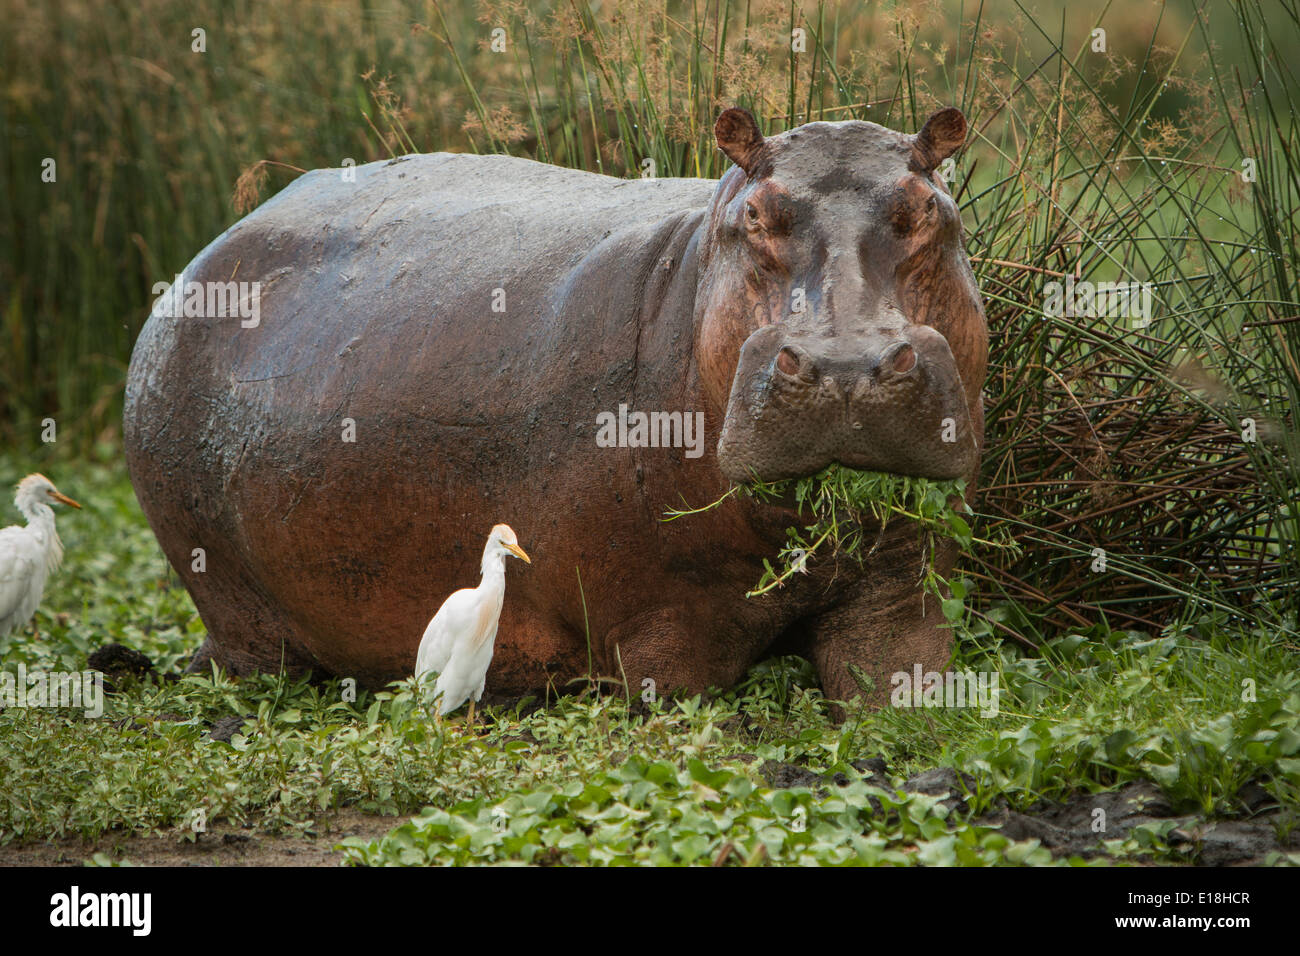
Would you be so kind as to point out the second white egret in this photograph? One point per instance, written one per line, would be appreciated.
(29, 555)
(459, 641)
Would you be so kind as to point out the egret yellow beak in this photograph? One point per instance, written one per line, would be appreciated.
(64, 499)
(518, 552)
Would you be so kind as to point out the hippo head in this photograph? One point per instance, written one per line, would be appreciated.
(837, 316)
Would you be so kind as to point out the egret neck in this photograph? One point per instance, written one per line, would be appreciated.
(40, 518)
(492, 587)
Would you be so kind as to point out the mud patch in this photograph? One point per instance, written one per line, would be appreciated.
(224, 728)
(222, 845)
(943, 782)
(123, 666)
(780, 776)
(1072, 828)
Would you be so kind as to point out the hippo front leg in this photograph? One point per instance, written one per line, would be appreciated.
(660, 651)
(889, 626)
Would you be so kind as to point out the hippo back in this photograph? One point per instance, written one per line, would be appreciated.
(427, 331)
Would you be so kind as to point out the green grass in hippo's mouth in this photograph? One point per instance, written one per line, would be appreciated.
(849, 511)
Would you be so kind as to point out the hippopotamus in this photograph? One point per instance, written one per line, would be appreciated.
(438, 344)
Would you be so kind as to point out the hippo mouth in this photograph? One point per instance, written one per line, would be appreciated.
(800, 402)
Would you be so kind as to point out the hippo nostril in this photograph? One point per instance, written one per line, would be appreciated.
(904, 359)
(787, 362)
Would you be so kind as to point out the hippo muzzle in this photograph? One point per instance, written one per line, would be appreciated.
(886, 401)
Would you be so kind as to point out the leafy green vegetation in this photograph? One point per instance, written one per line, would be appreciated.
(1203, 710)
(1168, 445)
(661, 814)
(841, 503)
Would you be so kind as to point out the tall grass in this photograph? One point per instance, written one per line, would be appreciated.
(1104, 166)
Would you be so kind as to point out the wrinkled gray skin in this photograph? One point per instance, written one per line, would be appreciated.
(664, 295)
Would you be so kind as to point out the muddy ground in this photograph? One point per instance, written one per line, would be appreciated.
(1071, 828)
(1065, 829)
(221, 845)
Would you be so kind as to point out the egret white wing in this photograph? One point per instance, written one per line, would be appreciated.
(22, 577)
(439, 641)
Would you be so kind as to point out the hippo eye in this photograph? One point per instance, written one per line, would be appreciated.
(751, 214)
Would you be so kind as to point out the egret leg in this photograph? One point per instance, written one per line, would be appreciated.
(470, 722)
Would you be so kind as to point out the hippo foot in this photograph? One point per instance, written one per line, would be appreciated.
(877, 643)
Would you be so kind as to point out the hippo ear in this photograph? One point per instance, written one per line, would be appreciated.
(739, 138)
(940, 137)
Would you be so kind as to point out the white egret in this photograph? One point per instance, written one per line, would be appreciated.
(28, 555)
(458, 643)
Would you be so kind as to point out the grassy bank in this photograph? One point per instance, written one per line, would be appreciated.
(595, 780)
(1144, 634)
